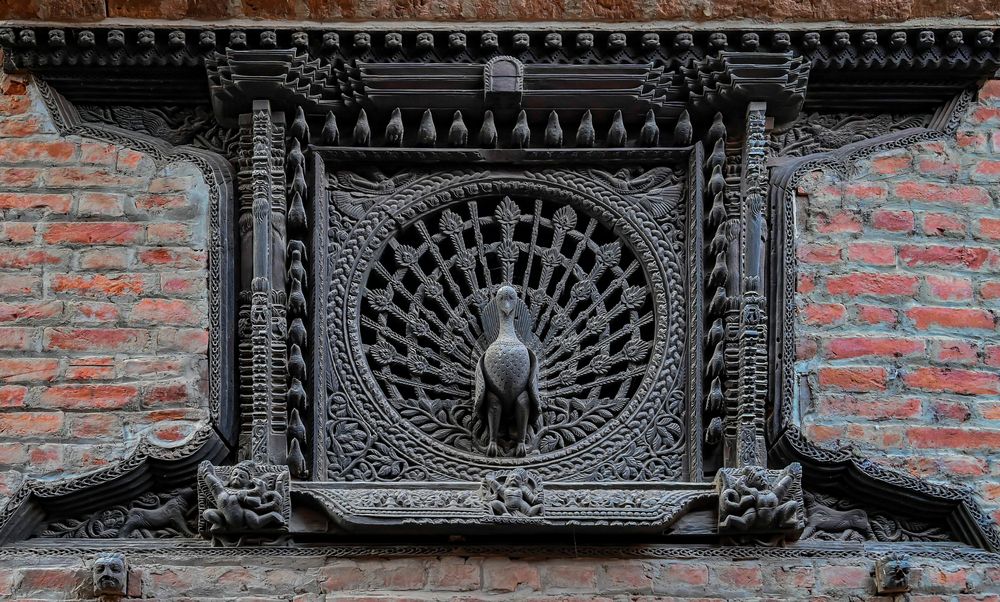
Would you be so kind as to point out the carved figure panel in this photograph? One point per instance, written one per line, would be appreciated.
(484, 319)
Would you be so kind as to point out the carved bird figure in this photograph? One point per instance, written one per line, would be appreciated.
(521, 135)
(585, 134)
(394, 129)
(506, 391)
(488, 133)
(649, 135)
(617, 135)
(553, 131)
(458, 134)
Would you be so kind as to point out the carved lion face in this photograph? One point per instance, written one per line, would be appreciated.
(553, 41)
(393, 41)
(926, 39)
(362, 40)
(176, 39)
(841, 39)
(781, 41)
(683, 41)
(955, 38)
(28, 37)
(651, 41)
(521, 41)
(456, 40)
(110, 574)
(869, 39)
(984, 39)
(718, 40)
(300, 39)
(584, 41)
(237, 39)
(146, 38)
(116, 38)
(811, 39)
(489, 41)
(750, 41)
(425, 40)
(57, 38)
(616, 41)
(898, 39)
(331, 40)
(268, 39)
(206, 39)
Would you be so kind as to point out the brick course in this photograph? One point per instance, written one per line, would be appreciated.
(898, 300)
(100, 335)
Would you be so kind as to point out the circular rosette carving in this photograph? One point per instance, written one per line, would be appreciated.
(585, 310)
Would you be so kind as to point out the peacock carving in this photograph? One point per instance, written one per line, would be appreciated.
(507, 327)
(506, 393)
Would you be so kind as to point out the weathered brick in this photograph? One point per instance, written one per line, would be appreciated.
(893, 221)
(89, 397)
(101, 204)
(851, 347)
(854, 378)
(96, 339)
(30, 424)
(19, 369)
(949, 288)
(950, 317)
(23, 201)
(89, 233)
(949, 380)
(99, 285)
(162, 257)
(925, 192)
(818, 314)
(878, 284)
(943, 224)
(943, 256)
(174, 312)
(872, 253)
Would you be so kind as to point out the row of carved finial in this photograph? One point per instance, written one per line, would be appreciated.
(490, 136)
(297, 281)
(178, 40)
(719, 237)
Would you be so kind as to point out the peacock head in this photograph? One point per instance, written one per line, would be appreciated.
(506, 300)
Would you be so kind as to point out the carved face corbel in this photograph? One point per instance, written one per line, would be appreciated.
(425, 40)
(300, 39)
(146, 39)
(176, 40)
(683, 41)
(393, 41)
(651, 41)
(841, 40)
(926, 39)
(28, 38)
(110, 575)
(955, 38)
(584, 41)
(781, 41)
(489, 41)
(521, 42)
(750, 41)
(237, 39)
(456, 41)
(984, 39)
(206, 40)
(268, 39)
(331, 40)
(718, 40)
(616, 41)
(811, 40)
(57, 38)
(553, 41)
(869, 39)
(362, 40)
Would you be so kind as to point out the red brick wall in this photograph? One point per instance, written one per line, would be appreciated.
(860, 11)
(899, 293)
(103, 305)
(478, 579)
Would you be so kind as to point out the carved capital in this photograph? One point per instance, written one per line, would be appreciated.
(248, 502)
(758, 505)
(729, 81)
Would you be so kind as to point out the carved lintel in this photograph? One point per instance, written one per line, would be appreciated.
(759, 505)
(245, 503)
(730, 80)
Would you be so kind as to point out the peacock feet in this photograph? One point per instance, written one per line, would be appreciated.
(521, 450)
(492, 450)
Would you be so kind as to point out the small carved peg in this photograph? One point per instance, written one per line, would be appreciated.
(716, 363)
(717, 214)
(300, 127)
(296, 363)
(458, 134)
(394, 129)
(297, 221)
(585, 134)
(649, 135)
(296, 300)
(110, 575)
(296, 461)
(330, 136)
(295, 159)
(488, 133)
(521, 136)
(297, 332)
(718, 303)
(296, 271)
(299, 182)
(296, 429)
(717, 131)
(296, 396)
(617, 136)
(720, 273)
(427, 132)
(553, 131)
(683, 131)
(718, 156)
(362, 133)
(892, 574)
(716, 183)
(715, 398)
(715, 333)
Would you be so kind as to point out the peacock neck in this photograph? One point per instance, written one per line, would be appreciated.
(507, 326)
